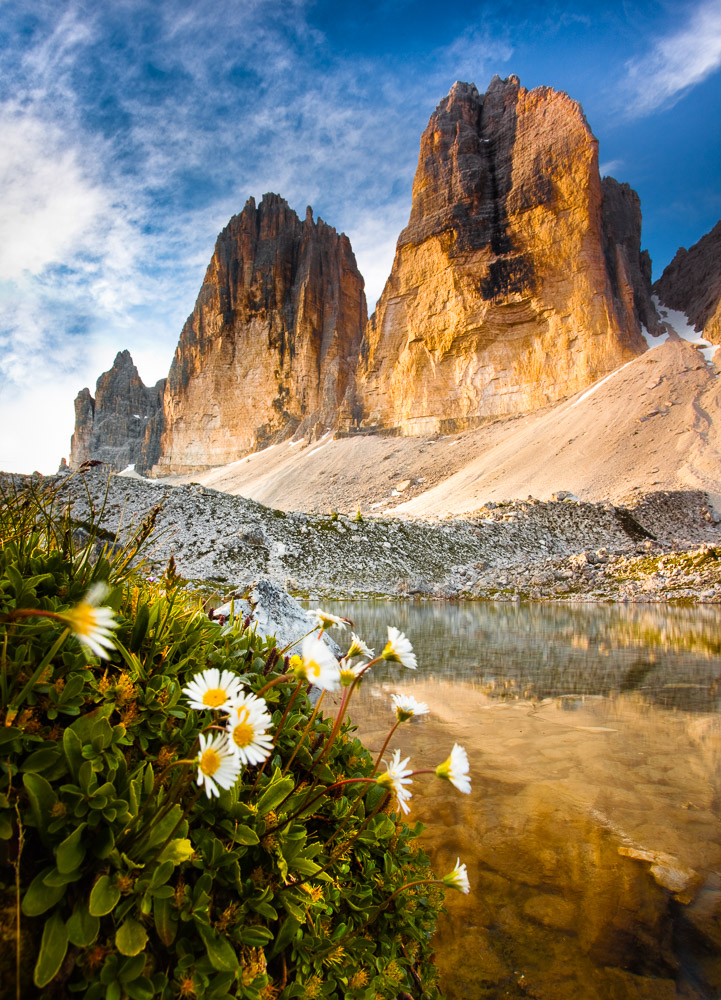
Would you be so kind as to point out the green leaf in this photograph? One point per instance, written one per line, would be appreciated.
(39, 898)
(285, 935)
(166, 923)
(53, 946)
(274, 794)
(70, 853)
(131, 968)
(83, 726)
(103, 896)
(178, 850)
(244, 835)
(73, 750)
(82, 926)
(8, 734)
(256, 936)
(41, 760)
(131, 937)
(220, 951)
(140, 989)
(42, 799)
(140, 628)
(102, 735)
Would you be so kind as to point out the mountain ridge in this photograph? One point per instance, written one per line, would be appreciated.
(518, 281)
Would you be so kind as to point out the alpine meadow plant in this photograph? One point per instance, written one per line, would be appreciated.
(177, 820)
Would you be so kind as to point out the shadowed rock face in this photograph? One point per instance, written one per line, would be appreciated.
(629, 267)
(121, 426)
(500, 299)
(272, 342)
(692, 283)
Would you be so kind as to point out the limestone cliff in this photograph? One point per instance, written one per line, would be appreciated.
(272, 343)
(692, 283)
(628, 266)
(121, 425)
(500, 298)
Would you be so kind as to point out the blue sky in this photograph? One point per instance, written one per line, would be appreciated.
(132, 131)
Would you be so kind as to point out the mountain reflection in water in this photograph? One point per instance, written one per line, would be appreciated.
(593, 832)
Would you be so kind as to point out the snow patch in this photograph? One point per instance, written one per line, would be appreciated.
(597, 385)
(678, 322)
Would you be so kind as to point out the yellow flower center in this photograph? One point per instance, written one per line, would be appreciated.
(209, 761)
(83, 619)
(214, 697)
(313, 668)
(243, 734)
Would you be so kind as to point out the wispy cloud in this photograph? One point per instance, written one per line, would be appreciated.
(610, 167)
(676, 61)
(135, 130)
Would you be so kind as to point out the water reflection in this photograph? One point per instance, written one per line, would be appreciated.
(593, 833)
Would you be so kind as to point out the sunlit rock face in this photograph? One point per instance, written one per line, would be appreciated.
(501, 298)
(692, 283)
(271, 345)
(121, 425)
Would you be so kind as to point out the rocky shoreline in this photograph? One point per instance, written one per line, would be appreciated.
(665, 546)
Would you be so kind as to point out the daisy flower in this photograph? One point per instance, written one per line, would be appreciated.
(349, 673)
(247, 728)
(358, 648)
(406, 706)
(458, 878)
(218, 766)
(455, 769)
(92, 624)
(318, 665)
(396, 777)
(214, 689)
(324, 619)
(398, 649)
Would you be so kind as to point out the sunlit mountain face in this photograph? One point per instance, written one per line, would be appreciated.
(133, 132)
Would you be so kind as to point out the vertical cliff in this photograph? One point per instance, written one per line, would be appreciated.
(628, 266)
(272, 343)
(120, 426)
(500, 298)
(692, 283)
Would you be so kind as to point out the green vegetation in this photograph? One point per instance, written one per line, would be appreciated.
(119, 876)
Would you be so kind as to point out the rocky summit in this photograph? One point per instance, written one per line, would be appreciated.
(519, 277)
(518, 280)
(121, 424)
(272, 342)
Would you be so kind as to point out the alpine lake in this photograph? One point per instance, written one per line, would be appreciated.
(592, 834)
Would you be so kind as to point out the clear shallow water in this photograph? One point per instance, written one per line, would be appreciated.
(593, 832)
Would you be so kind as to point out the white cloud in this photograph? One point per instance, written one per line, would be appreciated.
(609, 167)
(676, 63)
(102, 245)
(49, 204)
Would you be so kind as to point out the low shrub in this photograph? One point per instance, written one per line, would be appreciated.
(127, 868)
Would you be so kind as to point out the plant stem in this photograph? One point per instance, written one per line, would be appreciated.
(18, 700)
(299, 744)
(16, 865)
(308, 803)
(383, 748)
(270, 684)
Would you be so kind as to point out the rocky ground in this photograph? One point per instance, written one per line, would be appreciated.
(664, 546)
